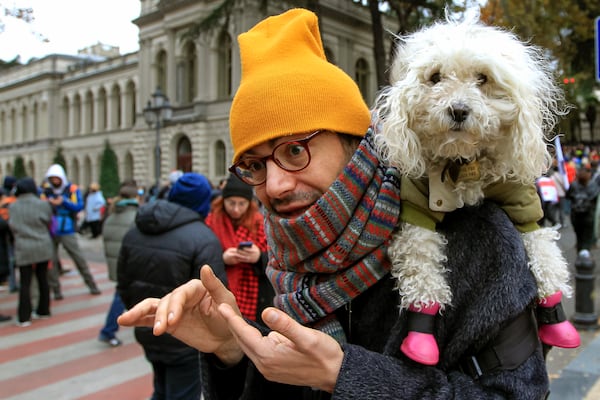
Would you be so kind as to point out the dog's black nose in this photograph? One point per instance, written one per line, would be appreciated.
(459, 112)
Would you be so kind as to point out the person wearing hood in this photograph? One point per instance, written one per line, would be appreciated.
(66, 201)
(166, 248)
(119, 221)
(29, 220)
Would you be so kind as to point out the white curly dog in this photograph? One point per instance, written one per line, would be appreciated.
(465, 118)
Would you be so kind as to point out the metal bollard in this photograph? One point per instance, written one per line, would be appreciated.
(585, 292)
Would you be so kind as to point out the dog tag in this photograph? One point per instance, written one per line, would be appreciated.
(469, 172)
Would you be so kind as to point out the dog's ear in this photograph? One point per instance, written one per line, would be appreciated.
(529, 142)
(529, 78)
(396, 143)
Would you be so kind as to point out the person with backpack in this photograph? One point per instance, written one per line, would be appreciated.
(66, 200)
(7, 265)
(583, 194)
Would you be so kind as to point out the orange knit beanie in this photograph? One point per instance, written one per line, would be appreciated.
(288, 86)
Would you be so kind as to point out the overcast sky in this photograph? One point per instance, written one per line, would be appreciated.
(68, 26)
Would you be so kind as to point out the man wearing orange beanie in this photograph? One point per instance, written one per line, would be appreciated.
(301, 136)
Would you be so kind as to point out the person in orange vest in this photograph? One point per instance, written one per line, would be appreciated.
(7, 269)
(571, 170)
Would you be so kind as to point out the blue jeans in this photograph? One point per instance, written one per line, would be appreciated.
(177, 381)
(111, 326)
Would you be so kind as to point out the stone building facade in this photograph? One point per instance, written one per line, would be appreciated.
(78, 102)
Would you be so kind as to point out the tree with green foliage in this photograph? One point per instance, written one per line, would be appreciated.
(565, 29)
(408, 14)
(109, 172)
(59, 158)
(19, 168)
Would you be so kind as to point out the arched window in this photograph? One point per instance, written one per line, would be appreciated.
(65, 117)
(77, 115)
(190, 73)
(224, 69)
(130, 102)
(35, 123)
(87, 173)
(3, 127)
(74, 174)
(128, 172)
(24, 124)
(361, 76)
(13, 126)
(102, 110)
(161, 71)
(89, 112)
(115, 107)
(220, 166)
(184, 154)
(30, 169)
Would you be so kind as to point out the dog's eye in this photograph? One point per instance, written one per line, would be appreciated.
(481, 79)
(435, 78)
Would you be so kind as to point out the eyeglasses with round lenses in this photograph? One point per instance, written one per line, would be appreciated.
(292, 156)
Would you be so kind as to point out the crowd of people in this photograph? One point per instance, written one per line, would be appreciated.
(151, 246)
(569, 192)
(302, 224)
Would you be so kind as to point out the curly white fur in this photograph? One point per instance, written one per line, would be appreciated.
(465, 91)
(418, 260)
(506, 87)
(543, 253)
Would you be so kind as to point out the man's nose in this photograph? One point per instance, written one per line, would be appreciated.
(278, 181)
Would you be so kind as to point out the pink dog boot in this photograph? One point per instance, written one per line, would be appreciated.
(554, 329)
(420, 345)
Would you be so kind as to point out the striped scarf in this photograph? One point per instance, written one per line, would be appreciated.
(336, 250)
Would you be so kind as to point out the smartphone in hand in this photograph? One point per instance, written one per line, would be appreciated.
(244, 245)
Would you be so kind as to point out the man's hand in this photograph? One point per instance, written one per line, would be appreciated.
(291, 353)
(190, 314)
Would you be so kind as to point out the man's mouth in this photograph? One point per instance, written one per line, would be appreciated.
(290, 211)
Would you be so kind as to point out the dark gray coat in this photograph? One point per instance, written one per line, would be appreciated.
(29, 221)
(165, 249)
(491, 284)
(114, 228)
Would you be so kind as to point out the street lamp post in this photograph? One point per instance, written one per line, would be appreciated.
(157, 112)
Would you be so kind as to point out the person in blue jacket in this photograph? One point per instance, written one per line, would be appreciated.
(66, 200)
